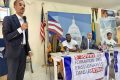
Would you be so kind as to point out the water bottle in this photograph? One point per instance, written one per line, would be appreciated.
(67, 50)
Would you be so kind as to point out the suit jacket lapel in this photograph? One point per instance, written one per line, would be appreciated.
(16, 21)
(86, 43)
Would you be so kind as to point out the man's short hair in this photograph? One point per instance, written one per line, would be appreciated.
(109, 33)
(17, 1)
(89, 33)
(67, 34)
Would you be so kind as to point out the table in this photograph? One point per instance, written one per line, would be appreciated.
(57, 57)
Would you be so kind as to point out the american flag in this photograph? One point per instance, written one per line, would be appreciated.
(54, 26)
(43, 24)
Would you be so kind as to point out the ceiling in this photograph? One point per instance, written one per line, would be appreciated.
(91, 3)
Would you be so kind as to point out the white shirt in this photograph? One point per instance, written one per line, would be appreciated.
(1, 49)
(110, 42)
(70, 45)
(20, 30)
(88, 42)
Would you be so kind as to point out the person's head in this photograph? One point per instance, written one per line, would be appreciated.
(109, 35)
(19, 6)
(89, 35)
(68, 37)
(104, 13)
(118, 13)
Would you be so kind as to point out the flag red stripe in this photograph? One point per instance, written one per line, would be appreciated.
(52, 30)
(42, 28)
(56, 27)
(53, 21)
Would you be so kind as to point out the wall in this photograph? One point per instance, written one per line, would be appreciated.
(33, 12)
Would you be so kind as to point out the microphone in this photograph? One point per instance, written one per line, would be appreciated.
(24, 18)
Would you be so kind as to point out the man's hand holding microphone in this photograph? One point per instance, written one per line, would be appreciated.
(24, 26)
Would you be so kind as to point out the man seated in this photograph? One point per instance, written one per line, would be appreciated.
(53, 47)
(70, 44)
(88, 43)
(109, 41)
(110, 44)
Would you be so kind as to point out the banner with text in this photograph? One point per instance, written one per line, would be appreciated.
(117, 64)
(87, 66)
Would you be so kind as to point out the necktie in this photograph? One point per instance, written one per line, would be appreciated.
(89, 44)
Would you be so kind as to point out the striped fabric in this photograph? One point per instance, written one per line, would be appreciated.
(43, 24)
(54, 26)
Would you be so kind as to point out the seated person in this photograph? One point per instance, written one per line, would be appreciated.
(109, 41)
(88, 43)
(110, 44)
(70, 44)
(54, 45)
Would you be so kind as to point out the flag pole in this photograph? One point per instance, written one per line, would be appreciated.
(42, 4)
(46, 45)
(47, 32)
(44, 52)
(45, 59)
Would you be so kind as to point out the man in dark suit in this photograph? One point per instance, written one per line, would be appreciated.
(88, 43)
(15, 33)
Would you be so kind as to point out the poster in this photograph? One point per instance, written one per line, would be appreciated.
(107, 24)
(87, 67)
(77, 25)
